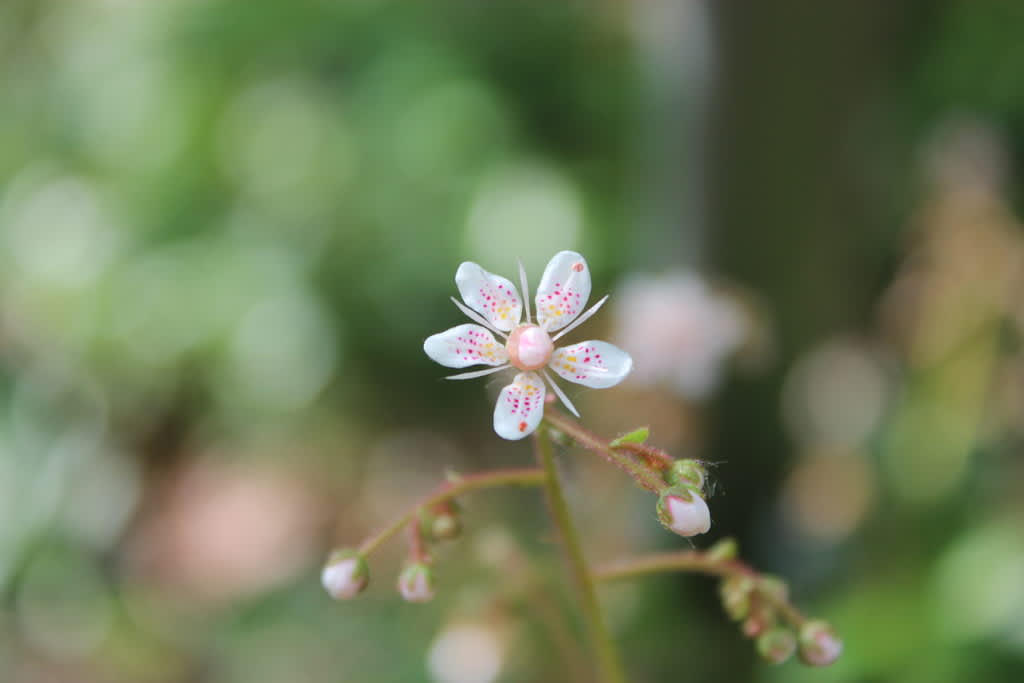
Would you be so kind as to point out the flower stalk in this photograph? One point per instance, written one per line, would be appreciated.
(608, 662)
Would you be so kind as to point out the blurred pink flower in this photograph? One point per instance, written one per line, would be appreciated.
(227, 531)
(678, 330)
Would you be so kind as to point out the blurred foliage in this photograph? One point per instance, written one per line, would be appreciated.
(226, 228)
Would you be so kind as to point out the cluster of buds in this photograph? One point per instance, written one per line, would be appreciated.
(681, 504)
(680, 484)
(756, 602)
(347, 574)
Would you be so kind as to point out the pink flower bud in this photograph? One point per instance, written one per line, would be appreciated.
(819, 645)
(684, 512)
(416, 583)
(754, 625)
(345, 575)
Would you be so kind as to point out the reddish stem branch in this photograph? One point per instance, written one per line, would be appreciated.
(702, 563)
(528, 476)
(640, 470)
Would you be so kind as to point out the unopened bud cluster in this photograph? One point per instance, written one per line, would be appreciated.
(752, 601)
(346, 573)
(681, 504)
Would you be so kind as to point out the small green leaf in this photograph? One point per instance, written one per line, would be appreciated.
(638, 435)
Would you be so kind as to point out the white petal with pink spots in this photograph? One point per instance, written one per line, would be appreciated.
(563, 291)
(520, 407)
(465, 345)
(594, 364)
(492, 296)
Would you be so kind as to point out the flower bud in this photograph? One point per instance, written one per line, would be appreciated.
(759, 619)
(773, 587)
(346, 574)
(689, 473)
(684, 512)
(442, 521)
(735, 592)
(819, 645)
(776, 645)
(416, 583)
(724, 550)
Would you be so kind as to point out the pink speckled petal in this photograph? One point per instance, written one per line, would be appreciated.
(494, 297)
(563, 291)
(465, 345)
(594, 364)
(520, 407)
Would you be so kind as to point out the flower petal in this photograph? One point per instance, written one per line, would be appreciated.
(465, 345)
(563, 291)
(594, 364)
(491, 295)
(520, 407)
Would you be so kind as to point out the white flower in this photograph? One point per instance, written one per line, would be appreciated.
(494, 303)
(680, 329)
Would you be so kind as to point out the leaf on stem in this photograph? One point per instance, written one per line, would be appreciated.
(638, 435)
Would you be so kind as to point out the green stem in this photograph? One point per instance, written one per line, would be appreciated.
(610, 668)
(702, 563)
(640, 471)
(529, 476)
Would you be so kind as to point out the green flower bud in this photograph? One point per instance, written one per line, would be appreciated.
(776, 645)
(774, 588)
(441, 522)
(725, 549)
(689, 473)
(735, 592)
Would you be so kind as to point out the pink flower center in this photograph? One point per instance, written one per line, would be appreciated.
(529, 347)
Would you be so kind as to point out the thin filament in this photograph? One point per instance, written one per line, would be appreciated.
(526, 291)
(582, 319)
(561, 394)
(478, 373)
(476, 317)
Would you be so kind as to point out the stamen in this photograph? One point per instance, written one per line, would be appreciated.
(582, 319)
(560, 394)
(478, 373)
(526, 290)
(476, 317)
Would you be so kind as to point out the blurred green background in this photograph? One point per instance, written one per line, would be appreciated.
(226, 228)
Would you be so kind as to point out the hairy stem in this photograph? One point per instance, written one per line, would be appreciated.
(701, 563)
(529, 476)
(609, 666)
(641, 471)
